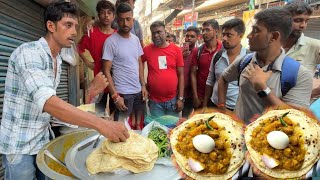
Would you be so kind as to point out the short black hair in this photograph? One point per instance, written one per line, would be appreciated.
(212, 22)
(194, 29)
(123, 8)
(104, 4)
(173, 37)
(298, 7)
(276, 19)
(236, 24)
(157, 24)
(121, 1)
(57, 10)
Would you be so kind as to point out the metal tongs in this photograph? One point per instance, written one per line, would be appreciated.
(96, 141)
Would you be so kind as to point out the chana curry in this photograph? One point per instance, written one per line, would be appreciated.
(215, 162)
(290, 158)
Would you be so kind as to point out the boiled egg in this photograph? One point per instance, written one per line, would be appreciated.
(203, 143)
(278, 139)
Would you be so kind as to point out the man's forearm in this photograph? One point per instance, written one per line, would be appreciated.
(207, 94)
(271, 100)
(68, 113)
(141, 73)
(85, 60)
(194, 82)
(222, 90)
(180, 82)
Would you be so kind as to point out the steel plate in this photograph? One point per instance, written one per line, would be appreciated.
(75, 161)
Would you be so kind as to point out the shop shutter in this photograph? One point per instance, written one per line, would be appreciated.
(313, 28)
(22, 21)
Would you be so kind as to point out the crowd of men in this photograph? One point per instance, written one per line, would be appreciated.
(275, 71)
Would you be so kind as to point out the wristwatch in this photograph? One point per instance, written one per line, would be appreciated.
(181, 99)
(264, 93)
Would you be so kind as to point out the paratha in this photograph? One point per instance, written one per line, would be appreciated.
(234, 144)
(309, 134)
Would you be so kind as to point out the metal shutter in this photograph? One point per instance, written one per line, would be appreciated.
(313, 28)
(22, 21)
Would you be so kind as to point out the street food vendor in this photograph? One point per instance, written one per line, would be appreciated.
(30, 96)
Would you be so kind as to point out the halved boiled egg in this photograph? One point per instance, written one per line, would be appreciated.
(203, 143)
(278, 139)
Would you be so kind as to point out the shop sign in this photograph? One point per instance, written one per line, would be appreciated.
(177, 23)
(188, 17)
(188, 24)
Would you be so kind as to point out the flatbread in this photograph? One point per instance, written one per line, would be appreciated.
(137, 154)
(236, 140)
(311, 134)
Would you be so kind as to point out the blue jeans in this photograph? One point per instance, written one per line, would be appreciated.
(158, 109)
(22, 167)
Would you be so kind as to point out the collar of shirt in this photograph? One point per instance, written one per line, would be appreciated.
(243, 52)
(275, 65)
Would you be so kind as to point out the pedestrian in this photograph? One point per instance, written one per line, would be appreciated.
(94, 41)
(232, 33)
(165, 74)
(201, 61)
(267, 77)
(122, 57)
(188, 47)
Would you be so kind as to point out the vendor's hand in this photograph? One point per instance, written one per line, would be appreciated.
(257, 76)
(114, 131)
(196, 102)
(97, 85)
(144, 92)
(120, 104)
(179, 105)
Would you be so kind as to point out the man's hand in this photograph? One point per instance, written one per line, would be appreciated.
(196, 102)
(185, 52)
(114, 131)
(120, 104)
(179, 105)
(257, 76)
(144, 92)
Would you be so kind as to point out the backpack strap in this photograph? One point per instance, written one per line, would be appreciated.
(215, 60)
(200, 49)
(289, 74)
(244, 64)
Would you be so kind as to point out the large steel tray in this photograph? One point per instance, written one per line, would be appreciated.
(75, 161)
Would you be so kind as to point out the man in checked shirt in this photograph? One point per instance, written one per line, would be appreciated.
(30, 96)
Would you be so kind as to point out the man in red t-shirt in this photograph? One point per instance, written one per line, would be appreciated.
(165, 74)
(201, 64)
(94, 42)
(191, 39)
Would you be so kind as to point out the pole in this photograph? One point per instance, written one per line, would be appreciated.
(192, 13)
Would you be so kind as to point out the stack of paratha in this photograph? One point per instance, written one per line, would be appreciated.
(137, 154)
(225, 131)
(302, 152)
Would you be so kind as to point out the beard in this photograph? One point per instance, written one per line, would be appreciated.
(295, 34)
(158, 42)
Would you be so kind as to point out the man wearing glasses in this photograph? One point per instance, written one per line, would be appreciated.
(201, 60)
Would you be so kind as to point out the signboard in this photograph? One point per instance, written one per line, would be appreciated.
(177, 23)
(188, 17)
(188, 24)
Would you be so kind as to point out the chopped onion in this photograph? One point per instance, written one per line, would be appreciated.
(195, 165)
(269, 161)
